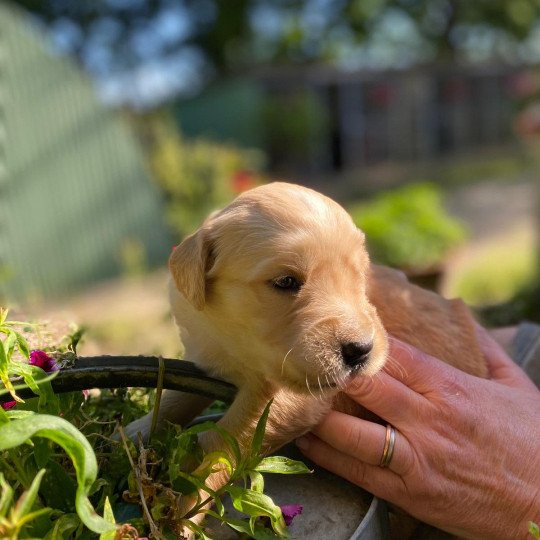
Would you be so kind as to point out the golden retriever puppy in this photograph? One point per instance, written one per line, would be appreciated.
(276, 294)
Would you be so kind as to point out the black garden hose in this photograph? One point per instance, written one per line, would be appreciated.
(123, 371)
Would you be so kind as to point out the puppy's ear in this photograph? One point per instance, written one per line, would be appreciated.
(188, 264)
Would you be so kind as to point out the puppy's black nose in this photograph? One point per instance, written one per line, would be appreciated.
(355, 353)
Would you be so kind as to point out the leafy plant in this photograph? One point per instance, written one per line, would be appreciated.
(197, 177)
(60, 470)
(168, 488)
(14, 517)
(17, 427)
(408, 227)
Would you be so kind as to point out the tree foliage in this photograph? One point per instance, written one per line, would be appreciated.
(224, 36)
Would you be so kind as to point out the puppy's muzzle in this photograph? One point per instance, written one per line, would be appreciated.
(355, 354)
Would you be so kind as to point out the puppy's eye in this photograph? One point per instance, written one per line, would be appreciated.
(286, 283)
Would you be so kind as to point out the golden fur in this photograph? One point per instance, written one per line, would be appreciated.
(285, 345)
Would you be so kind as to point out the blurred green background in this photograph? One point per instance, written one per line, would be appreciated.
(124, 122)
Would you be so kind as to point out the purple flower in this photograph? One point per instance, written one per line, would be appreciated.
(8, 405)
(42, 360)
(290, 511)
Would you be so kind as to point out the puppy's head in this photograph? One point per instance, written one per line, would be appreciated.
(275, 285)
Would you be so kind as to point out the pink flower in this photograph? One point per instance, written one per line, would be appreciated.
(8, 405)
(290, 511)
(42, 360)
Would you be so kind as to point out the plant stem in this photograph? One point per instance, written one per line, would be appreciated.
(154, 530)
(195, 510)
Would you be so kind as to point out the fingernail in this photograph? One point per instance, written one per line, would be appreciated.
(302, 443)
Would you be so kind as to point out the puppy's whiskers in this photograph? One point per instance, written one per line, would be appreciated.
(328, 383)
(397, 367)
(284, 359)
(321, 390)
(308, 388)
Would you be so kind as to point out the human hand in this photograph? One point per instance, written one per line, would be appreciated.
(467, 450)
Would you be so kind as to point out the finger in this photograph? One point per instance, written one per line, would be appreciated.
(501, 367)
(416, 369)
(382, 482)
(363, 440)
(386, 397)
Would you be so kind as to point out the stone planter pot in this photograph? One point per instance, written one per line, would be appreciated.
(332, 507)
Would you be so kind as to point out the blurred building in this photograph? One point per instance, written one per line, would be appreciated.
(323, 120)
(74, 193)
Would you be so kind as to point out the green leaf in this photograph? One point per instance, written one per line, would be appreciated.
(108, 516)
(4, 373)
(262, 533)
(257, 481)
(256, 504)
(209, 463)
(198, 483)
(26, 369)
(282, 465)
(247, 527)
(3, 360)
(64, 526)
(58, 488)
(23, 345)
(27, 499)
(42, 452)
(9, 343)
(227, 437)
(18, 413)
(258, 436)
(76, 446)
(184, 450)
(534, 530)
(29, 373)
(199, 531)
(32, 516)
(97, 485)
(39, 382)
(181, 484)
(3, 315)
(239, 525)
(4, 418)
(6, 497)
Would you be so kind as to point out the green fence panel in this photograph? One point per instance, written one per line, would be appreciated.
(73, 186)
